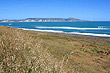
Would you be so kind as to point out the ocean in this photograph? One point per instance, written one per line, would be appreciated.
(97, 28)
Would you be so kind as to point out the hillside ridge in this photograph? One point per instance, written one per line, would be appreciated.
(44, 20)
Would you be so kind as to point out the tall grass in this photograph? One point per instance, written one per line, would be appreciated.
(27, 52)
(20, 53)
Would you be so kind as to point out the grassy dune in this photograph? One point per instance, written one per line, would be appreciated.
(37, 52)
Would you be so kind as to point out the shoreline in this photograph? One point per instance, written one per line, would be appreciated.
(74, 33)
(75, 36)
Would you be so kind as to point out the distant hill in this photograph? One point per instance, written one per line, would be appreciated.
(44, 20)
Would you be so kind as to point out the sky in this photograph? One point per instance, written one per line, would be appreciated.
(94, 10)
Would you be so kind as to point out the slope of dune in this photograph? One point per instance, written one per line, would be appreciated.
(23, 51)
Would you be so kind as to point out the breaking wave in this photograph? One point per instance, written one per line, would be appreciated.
(44, 30)
(75, 28)
(90, 34)
(78, 33)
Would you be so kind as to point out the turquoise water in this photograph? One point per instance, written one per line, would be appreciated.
(101, 29)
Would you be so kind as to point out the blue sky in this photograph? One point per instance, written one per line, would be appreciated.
(97, 10)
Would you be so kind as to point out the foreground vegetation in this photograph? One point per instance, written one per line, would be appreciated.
(35, 52)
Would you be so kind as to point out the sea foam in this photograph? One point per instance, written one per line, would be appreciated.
(72, 28)
(44, 30)
(90, 34)
(78, 33)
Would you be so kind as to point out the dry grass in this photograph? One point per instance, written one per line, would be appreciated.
(27, 52)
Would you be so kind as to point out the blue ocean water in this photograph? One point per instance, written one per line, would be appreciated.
(101, 29)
